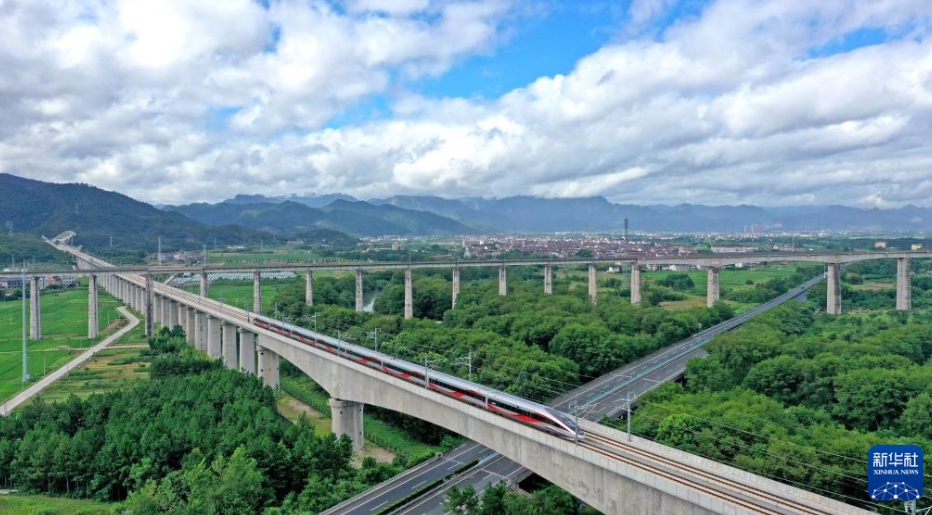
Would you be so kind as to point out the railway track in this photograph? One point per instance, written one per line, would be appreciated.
(754, 499)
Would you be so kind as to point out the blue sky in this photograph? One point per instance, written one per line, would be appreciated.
(767, 102)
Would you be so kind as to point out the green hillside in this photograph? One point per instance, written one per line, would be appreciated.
(96, 215)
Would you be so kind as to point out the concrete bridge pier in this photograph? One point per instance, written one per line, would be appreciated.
(456, 285)
(199, 331)
(93, 317)
(204, 285)
(904, 293)
(593, 287)
(268, 365)
(213, 337)
(156, 308)
(712, 289)
(833, 294)
(409, 302)
(548, 279)
(172, 314)
(635, 284)
(247, 351)
(257, 292)
(309, 288)
(147, 294)
(359, 290)
(347, 420)
(502, 281)
(229, 345)
(35, 309)
(164, 311)
(190, 327)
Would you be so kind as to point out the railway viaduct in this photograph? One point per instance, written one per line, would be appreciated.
(605, 471)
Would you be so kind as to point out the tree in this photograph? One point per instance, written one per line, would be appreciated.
(462, 500)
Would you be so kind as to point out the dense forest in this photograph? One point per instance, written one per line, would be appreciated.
(799, 396)
(526, 343)
(197, 438)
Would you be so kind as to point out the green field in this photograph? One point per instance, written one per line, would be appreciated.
(64, 335)
(239, 293)
(16, 504)
(730, 278)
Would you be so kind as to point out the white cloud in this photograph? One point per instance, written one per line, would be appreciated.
(735, 106)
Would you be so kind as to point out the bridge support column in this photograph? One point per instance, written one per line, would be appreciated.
(257, 292)
(147, 294)
(309, 288)
(200, 331)
(268, 366)
(502, 281)
(359, 290)
(712, 289)
(247, 351)
(347, 420)
(35, 309)
(204, 285)
(229, 345)
(456, 285)
(593, 288)
(904, 289)
(833, 295)
(172, 314)
(93, 316)
(409, 302)
(190, 326)
(548, 279)
(213, 337)
(165, 312)
(635, 284)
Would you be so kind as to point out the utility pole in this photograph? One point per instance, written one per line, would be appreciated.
(374, 335)
(427, 364)
(465, 360)
(575, 407)
(159, 257)
(25, 357)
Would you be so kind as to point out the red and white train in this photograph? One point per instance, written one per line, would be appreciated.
(518, 409)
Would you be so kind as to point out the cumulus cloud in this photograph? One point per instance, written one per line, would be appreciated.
(748, 102)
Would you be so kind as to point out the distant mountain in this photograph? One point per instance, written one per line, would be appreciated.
(290, 218)
(905, 219)
(307, 200)
(96, 215)
(535, 215)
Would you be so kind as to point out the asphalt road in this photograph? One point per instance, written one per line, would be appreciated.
(604, 396)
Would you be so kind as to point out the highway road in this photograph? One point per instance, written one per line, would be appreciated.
(604, 396)
(43, 383)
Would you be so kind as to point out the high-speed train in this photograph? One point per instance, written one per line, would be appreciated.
(515, 408)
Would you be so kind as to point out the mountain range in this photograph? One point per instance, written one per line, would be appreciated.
(97, 215)
(419, 215)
